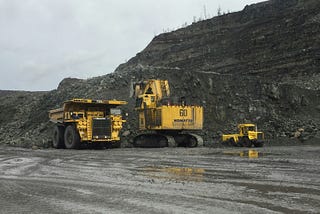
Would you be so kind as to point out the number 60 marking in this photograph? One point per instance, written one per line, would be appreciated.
(183, 112)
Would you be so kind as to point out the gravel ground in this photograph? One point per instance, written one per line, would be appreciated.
(165, 180)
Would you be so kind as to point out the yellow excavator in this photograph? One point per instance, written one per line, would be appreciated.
(164, 121)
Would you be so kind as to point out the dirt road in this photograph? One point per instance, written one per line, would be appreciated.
(179, 180)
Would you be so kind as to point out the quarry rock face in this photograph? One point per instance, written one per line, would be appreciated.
(259, 65)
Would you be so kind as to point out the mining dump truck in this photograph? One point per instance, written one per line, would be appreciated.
(164, 121)
(86, 121)
(247, 137)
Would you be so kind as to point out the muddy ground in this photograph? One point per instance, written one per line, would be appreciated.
(165, 180)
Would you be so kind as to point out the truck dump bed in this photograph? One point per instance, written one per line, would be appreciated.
(58, 115)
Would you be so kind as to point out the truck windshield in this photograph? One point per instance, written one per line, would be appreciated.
(115, 111)
(251, 128)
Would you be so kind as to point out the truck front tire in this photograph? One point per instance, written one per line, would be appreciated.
(71, 138)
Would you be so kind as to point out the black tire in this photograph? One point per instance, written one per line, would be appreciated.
(71, 138)
(116, 144)
(245, 142)
(232, 142)
(101, 145)
(258, 143)
(58, 137)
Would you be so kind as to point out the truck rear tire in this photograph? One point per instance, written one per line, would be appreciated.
(58, 137)
(258, 143)
(246, 142)
(71, 138)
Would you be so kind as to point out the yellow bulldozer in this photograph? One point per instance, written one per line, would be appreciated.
(248, 136)
(164, 121)
(86, 121)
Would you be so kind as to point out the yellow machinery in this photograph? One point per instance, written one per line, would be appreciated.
(168, 120)
(248, 136)
(86, 120)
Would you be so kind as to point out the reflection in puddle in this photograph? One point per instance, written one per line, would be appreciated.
(175, 173)
(247, 153)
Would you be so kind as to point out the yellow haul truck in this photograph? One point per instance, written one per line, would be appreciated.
(86, 120)
(164, 121)
(248, 136)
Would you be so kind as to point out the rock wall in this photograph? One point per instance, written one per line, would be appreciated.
(260, 65)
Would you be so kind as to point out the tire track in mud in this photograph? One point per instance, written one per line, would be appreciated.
(158, 181)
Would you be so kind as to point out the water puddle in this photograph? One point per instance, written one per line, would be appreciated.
(246, 153)
(175, 173)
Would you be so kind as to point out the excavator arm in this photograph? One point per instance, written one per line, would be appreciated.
(148, 93)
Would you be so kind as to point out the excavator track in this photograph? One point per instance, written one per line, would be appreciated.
(198, 139)
(188, 140)
(171, 141)
(154, 140)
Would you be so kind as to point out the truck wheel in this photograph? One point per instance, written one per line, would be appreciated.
(71, 138)
(57, 138)
(245, 142)
(258, 143)
(232, 142)
(116, 144)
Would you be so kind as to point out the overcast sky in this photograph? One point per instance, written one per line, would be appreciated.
(44, 41)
